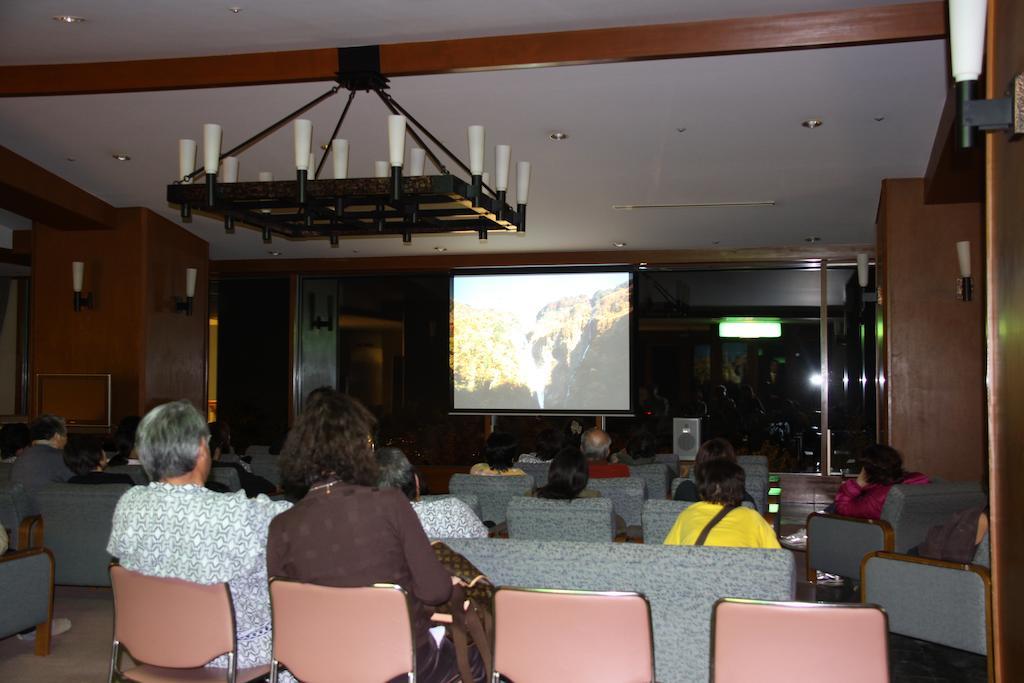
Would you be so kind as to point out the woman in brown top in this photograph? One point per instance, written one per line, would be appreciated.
(346, 532)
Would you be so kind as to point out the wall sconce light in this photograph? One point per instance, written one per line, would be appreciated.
(185, 305)
(77, 278)
(964, 286)
(862, 270)
(967, 50)
(315, 321)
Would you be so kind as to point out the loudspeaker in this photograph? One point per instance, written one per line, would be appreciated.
(686, 437)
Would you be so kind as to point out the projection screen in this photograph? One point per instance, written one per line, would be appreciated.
(535, 342)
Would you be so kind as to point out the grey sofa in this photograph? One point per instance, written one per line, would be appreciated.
(17, 508)
(583, 519)
(136, 472)
(658, 477)
(537, 470)
(26, 593)
(226, 476)
(493, 493)
(627, 495)
(266, 466)
(78, 520)
(941, 602)
(681, 584)
(837, 544)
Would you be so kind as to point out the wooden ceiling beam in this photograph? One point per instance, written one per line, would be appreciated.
(865, 25)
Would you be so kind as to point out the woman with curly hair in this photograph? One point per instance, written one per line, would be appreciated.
(881, 469)
(347, 532)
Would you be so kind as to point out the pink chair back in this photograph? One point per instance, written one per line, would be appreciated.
(169, 622)
(324, 633)
(839, 643)
(563, 636)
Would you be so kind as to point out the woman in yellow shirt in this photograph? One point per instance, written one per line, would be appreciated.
(721, 485)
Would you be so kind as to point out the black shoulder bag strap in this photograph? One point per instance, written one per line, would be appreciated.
(711, 525)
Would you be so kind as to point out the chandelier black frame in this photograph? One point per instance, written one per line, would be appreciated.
(353, 207)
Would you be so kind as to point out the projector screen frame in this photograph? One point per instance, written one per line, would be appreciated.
(632, 326)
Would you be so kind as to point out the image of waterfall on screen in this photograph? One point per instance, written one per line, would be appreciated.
(541, 342)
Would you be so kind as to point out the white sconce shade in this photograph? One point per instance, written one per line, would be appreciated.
(522, 181)
(77, 275)
(476, 150)
(417, 161)
(339, 158)
(502, 154)
(266, 176)
(186, 159)
(228, 170)
(396, 139)
(211, 147)
(303, 141)
(190, 282)
(381, 170)
(963, 254)
(862, 270)
(967, 37)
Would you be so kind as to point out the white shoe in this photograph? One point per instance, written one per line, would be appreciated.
(797, 541)
(826, 579)
(57, 626)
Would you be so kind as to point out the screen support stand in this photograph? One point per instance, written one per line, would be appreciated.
(600, 422)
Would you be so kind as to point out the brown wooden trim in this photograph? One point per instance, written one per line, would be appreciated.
(30, 532)
(259, 68)
(954, 175)
(691, 257)
(865, 25)
(888, 536)
(887, 23)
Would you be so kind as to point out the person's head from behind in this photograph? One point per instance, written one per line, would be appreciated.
(568, 475)
(124, 437)
(549, 442)
(595, 444)
(882, 464)
(641, 445)
(332, 439)
(721, 482)
(172, 442)
(220, 438)
(84, 454)
(49, 429)
(396, 472)
(13, 438)
(714, 449)
(501, 450)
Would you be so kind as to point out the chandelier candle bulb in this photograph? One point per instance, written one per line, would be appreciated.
(303, 139)
(186, 159)
(211, 159)
(229, 170)
(380, 169)
(522, 193)
(339, 158)
(266, 176)
(502, 155)
(312, 166)
(396, 139)
(417, 161)
(476, 161)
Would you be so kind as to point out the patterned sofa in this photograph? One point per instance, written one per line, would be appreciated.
(493, 493)
(583, 519)
(681, 583)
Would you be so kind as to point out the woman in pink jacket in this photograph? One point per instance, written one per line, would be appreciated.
(881, 468)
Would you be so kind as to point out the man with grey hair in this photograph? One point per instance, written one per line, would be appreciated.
(596, 445)
(440, 517)
(177, 528)
(42, 462)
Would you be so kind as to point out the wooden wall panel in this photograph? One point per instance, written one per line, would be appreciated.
(934, 346)
(1005, 226)
(106, 338)
(175, 344)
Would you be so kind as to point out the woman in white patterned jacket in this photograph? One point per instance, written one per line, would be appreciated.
(177, 528)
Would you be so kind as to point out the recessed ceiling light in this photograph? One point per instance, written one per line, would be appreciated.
(680, 130)
(716, 243)
(439, 249)
(558, 136)
(68, 19)
(122, 157)
(235, 10)
(274, 252)
(879, 119)
(355, 251)
(812, 239)
(70, 158)
(618, 245)
(811, 123)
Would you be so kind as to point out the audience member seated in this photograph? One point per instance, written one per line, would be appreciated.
(713, 449)
(177, 528)
(640, 450)
(720, 513)
(348, 532)
(42, 463)
(500, 453)
(549, 442)
(124, 442)
(14, 438)
(567, 477)
(252, 484)
(441, 518)
(84, 456)
(596, 445)
(881, 469)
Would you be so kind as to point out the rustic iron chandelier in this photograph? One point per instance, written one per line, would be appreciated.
(392, 203)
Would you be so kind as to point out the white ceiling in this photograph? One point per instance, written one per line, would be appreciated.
(742, 114)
